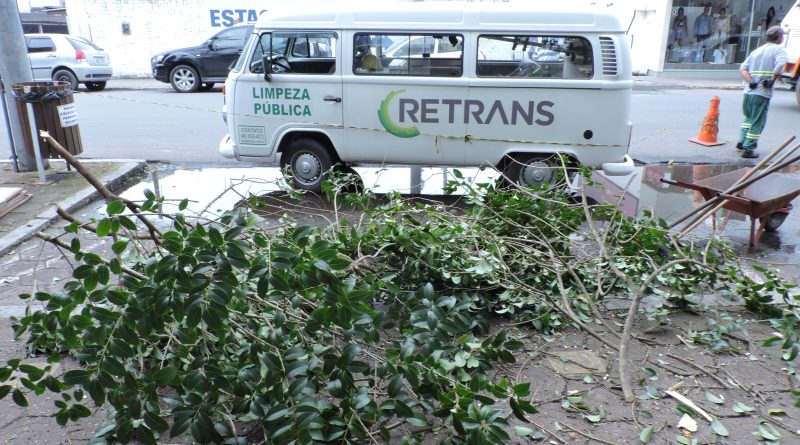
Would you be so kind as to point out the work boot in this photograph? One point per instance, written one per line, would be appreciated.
(749, 154)
(739, 146)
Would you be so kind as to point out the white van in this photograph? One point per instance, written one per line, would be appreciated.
(483, 101)
(791, 28)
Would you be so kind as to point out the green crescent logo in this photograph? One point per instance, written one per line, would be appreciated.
(386, 121)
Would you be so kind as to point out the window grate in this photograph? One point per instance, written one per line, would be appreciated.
(609, 56)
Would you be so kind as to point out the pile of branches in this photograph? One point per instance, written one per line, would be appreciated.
(367, 329)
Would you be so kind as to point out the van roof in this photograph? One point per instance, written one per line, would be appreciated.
(456, 16)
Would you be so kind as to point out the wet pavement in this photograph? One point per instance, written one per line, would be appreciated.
(206, 189)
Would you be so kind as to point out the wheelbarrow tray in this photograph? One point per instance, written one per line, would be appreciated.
(768, 195)
(759, 199)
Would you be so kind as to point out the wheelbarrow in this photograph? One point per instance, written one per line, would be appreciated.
(767, 200)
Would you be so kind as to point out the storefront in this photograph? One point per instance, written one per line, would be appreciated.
(718, 34)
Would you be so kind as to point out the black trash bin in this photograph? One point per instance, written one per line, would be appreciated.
(53, 111)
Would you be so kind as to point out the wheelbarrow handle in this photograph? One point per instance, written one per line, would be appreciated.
(686, 185)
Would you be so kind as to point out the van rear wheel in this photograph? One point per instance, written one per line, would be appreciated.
(309, 161)
(534, 170)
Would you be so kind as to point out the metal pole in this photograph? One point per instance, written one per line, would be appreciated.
(416, 180)
(11, 145)
(36, 149)
(15, 67)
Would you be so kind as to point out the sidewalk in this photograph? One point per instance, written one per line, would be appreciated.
(65, 188)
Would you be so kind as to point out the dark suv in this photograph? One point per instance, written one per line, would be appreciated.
(199, 67)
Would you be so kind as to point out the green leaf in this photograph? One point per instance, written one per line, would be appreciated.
(182, 206)
(119, 246)
(115, 207)
(4, 390)
(651, 374)
(776, 412)
(712, 398)
(113, 366)
(165, 376)
(646, 435)
(523, 431)
(19, 398)
(76, 377)
(103, 227)
(741, 408)
(155, 422)
(719, 428)
(772, 341)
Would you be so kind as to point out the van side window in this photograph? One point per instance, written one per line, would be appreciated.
(296, 53)
(437, 55)
(537, 56)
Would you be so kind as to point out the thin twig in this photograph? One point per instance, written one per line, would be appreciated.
(60, 243)
(587, 435)
(701, 369)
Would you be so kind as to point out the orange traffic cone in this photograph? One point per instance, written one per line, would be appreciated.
(708, 131)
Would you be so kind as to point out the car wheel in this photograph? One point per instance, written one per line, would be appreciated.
(207, 86)
(309, 161)
(66, 76)
(533, 169)
(95, 86)
(184, 79)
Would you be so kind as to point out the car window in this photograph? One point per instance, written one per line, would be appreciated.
(313, 46)
(437, 55)
(233, 38)
(534, 56)
(83, 44)
(297, 53)
(40, 44)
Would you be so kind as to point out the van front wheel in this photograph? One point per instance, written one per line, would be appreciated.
(309, 161)
(532, 169)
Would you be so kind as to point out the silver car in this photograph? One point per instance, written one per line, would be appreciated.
(68, 58)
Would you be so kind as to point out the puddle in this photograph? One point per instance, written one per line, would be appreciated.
(635, 193)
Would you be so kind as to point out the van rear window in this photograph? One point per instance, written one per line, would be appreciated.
(437, 55)
(534, 56)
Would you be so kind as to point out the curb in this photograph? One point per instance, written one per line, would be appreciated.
(43, 220)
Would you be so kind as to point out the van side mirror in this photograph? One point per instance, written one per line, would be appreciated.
(266, 64)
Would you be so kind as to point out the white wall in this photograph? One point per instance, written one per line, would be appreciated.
(160, 25)
(155, 26)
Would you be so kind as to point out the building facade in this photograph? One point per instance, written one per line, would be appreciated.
(667, 37)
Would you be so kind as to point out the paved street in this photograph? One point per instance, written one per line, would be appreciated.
(146, 119)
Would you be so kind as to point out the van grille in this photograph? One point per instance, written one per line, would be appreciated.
(609, 56)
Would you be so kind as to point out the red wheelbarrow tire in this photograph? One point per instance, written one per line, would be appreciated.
(774, 220)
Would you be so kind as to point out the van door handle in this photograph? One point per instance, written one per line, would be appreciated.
(332, 99)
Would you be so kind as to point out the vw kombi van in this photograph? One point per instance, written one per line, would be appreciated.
(511, 86)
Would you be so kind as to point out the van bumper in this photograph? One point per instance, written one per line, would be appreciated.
(227, 148)
(623, 168)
